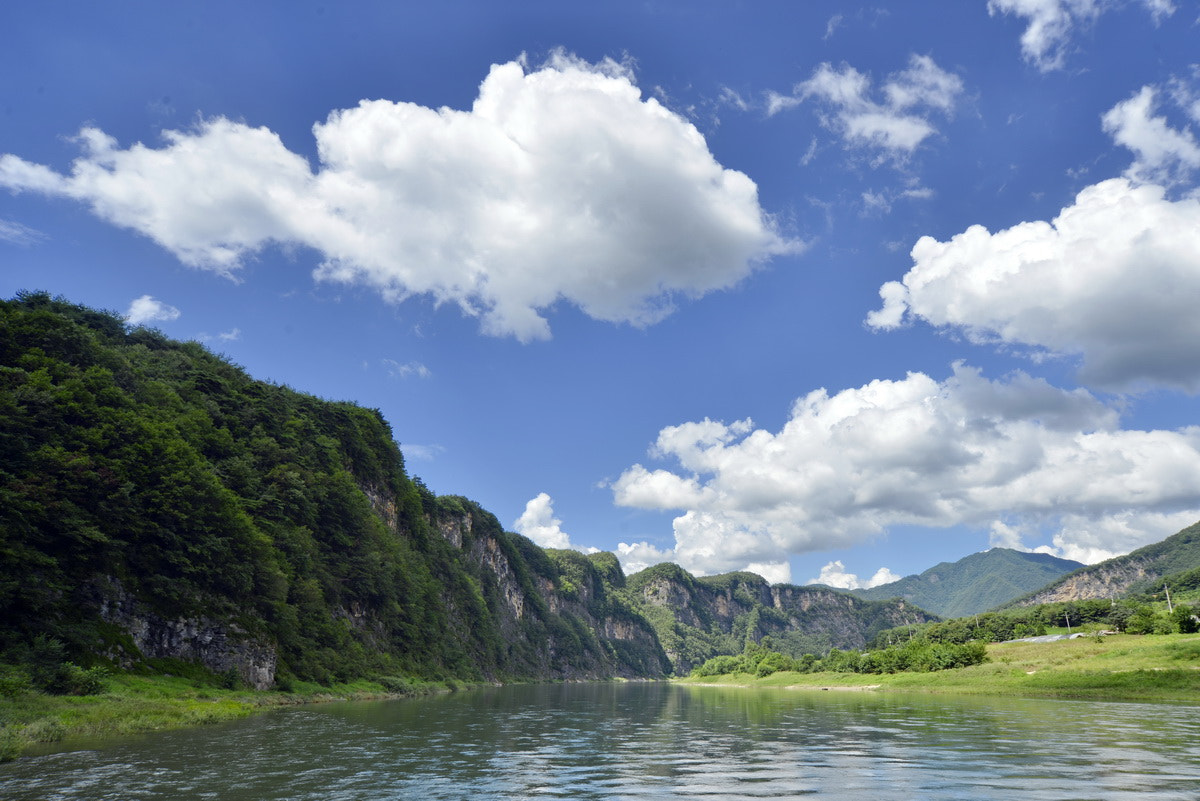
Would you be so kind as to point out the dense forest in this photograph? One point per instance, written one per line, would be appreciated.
(975, 583)
(147, 485)
(159, 505)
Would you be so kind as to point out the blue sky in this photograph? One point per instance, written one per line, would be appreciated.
(817, 289)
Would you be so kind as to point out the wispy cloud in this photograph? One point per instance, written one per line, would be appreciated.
(892, 120)
(425, 453)
(17, 234)
(406, 370)
(1051, 23)
(1163, 153)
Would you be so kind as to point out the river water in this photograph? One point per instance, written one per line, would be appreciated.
(647, 741)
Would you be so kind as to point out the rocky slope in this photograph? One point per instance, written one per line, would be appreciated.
(1139, 570)
(698, 618)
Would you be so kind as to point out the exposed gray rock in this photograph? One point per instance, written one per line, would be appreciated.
(218, 645)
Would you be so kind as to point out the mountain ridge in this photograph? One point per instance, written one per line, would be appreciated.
(1176, 557)
(158, 503)
(976, 583)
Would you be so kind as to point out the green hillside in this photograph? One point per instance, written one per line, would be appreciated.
(976, 583)
(156, 502)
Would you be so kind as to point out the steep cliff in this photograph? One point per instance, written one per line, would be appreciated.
(698, 618)
(156, 502)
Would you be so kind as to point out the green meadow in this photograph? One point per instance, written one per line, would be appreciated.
(1122, 667)
(133, 704)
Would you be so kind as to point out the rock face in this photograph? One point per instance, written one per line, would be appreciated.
(1135, 571)
(556, 612)
(217, 645)
(697, 618)
(1103, 581)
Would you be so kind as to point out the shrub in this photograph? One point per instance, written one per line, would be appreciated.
(394, 684)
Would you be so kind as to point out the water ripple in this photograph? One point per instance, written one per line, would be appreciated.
(646, 742)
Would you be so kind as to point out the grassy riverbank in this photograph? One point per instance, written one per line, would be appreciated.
(133, 704)
(1157, 669)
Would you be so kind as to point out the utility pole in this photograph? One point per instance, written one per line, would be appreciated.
(1168, 592)
(1068, 617)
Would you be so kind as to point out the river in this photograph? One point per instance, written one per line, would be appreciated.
(646, 741)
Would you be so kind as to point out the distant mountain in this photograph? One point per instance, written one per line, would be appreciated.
(697, 618)
(976, 583)
(1175, 561)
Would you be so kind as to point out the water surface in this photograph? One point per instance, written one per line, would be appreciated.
(648, 741)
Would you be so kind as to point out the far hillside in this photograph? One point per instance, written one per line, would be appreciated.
(698, 618)
(976, 583)
(1174, 562)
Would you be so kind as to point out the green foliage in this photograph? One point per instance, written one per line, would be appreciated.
(131, 461)
(919, 656)
(1174, 562)
(976, 583)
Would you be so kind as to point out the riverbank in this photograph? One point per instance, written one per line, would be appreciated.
(133, 704)
(1151, 669)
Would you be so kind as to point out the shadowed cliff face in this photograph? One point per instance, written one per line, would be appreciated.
(220, 646)
(554, 612)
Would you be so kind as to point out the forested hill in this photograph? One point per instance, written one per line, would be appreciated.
(975, 583)
(158, 503)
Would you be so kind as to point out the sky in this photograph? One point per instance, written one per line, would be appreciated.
(821, 290)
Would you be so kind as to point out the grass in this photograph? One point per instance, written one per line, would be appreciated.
(1157, 669)
(136, 703)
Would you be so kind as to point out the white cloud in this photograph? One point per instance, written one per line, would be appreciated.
(560, 183)
(148, 310)
(883, 200)
(407, 370)
(894, 126)
(425, 453)
(1051, 22)
(1164, 154)
(232, 335)
(638, 556)
(966, 451)
(834, 574)
(539, 524)
(1112, 279)
(17, 234)
(832, 25)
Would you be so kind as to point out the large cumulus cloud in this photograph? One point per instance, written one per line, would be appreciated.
(1113, 279)
(560, 183)
(963, 451)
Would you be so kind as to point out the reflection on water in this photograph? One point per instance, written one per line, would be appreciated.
(617, 741)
